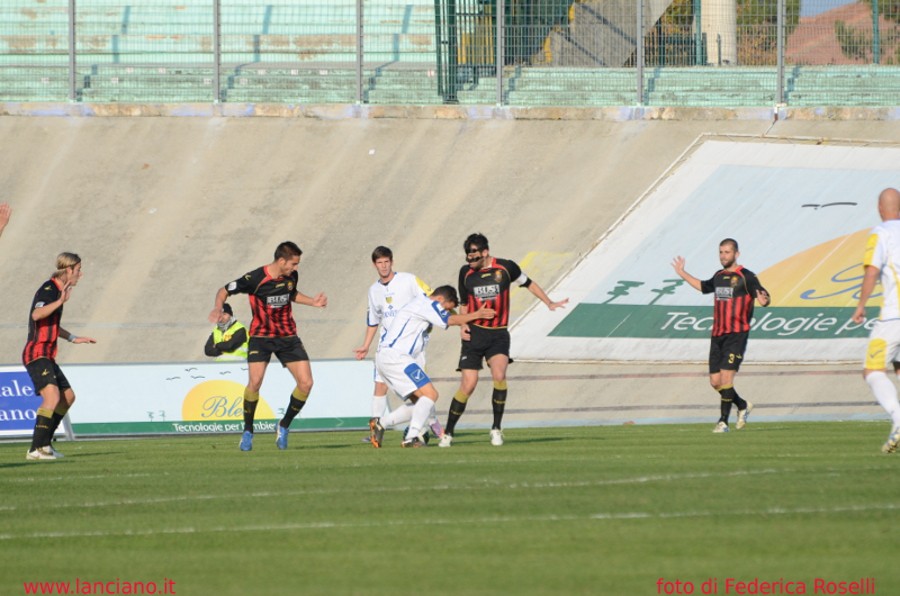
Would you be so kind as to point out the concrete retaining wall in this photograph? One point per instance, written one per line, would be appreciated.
(166, 209)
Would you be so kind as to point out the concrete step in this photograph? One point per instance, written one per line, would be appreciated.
(146, 95)
(321, 97)
(49, 95)
(859, 98)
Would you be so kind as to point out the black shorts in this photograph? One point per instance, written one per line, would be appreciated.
(484, 344)
(726, 352)
(286, 349)
(43, 372)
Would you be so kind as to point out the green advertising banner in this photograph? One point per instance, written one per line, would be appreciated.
(695, 322)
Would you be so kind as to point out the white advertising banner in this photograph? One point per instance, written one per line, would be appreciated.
(190, 398)
(801, 213)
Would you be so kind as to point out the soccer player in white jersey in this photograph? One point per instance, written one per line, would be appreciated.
(400, 353)
(882, 262)
(387, 295)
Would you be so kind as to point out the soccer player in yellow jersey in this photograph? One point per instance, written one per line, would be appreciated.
(881, 262)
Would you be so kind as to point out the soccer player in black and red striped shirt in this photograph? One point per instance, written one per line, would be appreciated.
(272, 289)
(736, 289)
(485, 281)
(39, 355)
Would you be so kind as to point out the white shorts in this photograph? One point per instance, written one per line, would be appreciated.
(884, 345)
(377, 375)
(401, 372)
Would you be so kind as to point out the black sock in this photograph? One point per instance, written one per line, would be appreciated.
(498, 402)
(739, 401)
(42, 433)
(54, 422)
(249, 414)
(293, 409)
(728, 394)
(456, 411)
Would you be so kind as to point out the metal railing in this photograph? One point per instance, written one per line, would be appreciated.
(706, 53)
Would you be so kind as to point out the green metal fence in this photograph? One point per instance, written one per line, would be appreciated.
(708, 53)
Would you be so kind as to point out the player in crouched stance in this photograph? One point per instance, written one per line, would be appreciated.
(386, 296)
(39, 356)
(401, 353)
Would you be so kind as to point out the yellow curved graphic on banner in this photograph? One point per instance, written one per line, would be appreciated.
(829, 274)
(219, 401)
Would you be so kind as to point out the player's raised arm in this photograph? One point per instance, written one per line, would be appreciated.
(678, 266)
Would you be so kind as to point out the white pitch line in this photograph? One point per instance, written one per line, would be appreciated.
(44, 479)
(794, 511)
(396, 489)
(414, 488)
(335, 525)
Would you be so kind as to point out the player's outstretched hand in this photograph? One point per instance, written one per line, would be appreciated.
(214, 315)
(321, 300)
(678, 264)
(5, 212)
(84, 340)
(66, 293)
(558, 304)
(486, 313)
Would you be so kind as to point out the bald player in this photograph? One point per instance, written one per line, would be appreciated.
(881, 262)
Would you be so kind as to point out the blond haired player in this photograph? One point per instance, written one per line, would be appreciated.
(39, 355)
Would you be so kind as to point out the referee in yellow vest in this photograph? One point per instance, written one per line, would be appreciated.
(229, 338)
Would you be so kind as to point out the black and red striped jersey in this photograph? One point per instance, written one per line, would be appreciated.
(489, 287)
(735, 294)
(270, 302)
(43, 334)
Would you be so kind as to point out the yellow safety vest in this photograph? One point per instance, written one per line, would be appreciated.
(241, 352)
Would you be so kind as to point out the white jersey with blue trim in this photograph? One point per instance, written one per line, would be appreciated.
(386, 299)
(883, 253)
(408, 332)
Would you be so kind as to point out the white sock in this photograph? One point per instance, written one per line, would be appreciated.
(401, 415)
(379, 404)
(433, 418)
(886, 394)
(420, 413)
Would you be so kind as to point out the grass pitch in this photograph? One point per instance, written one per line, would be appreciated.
(594, 510)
